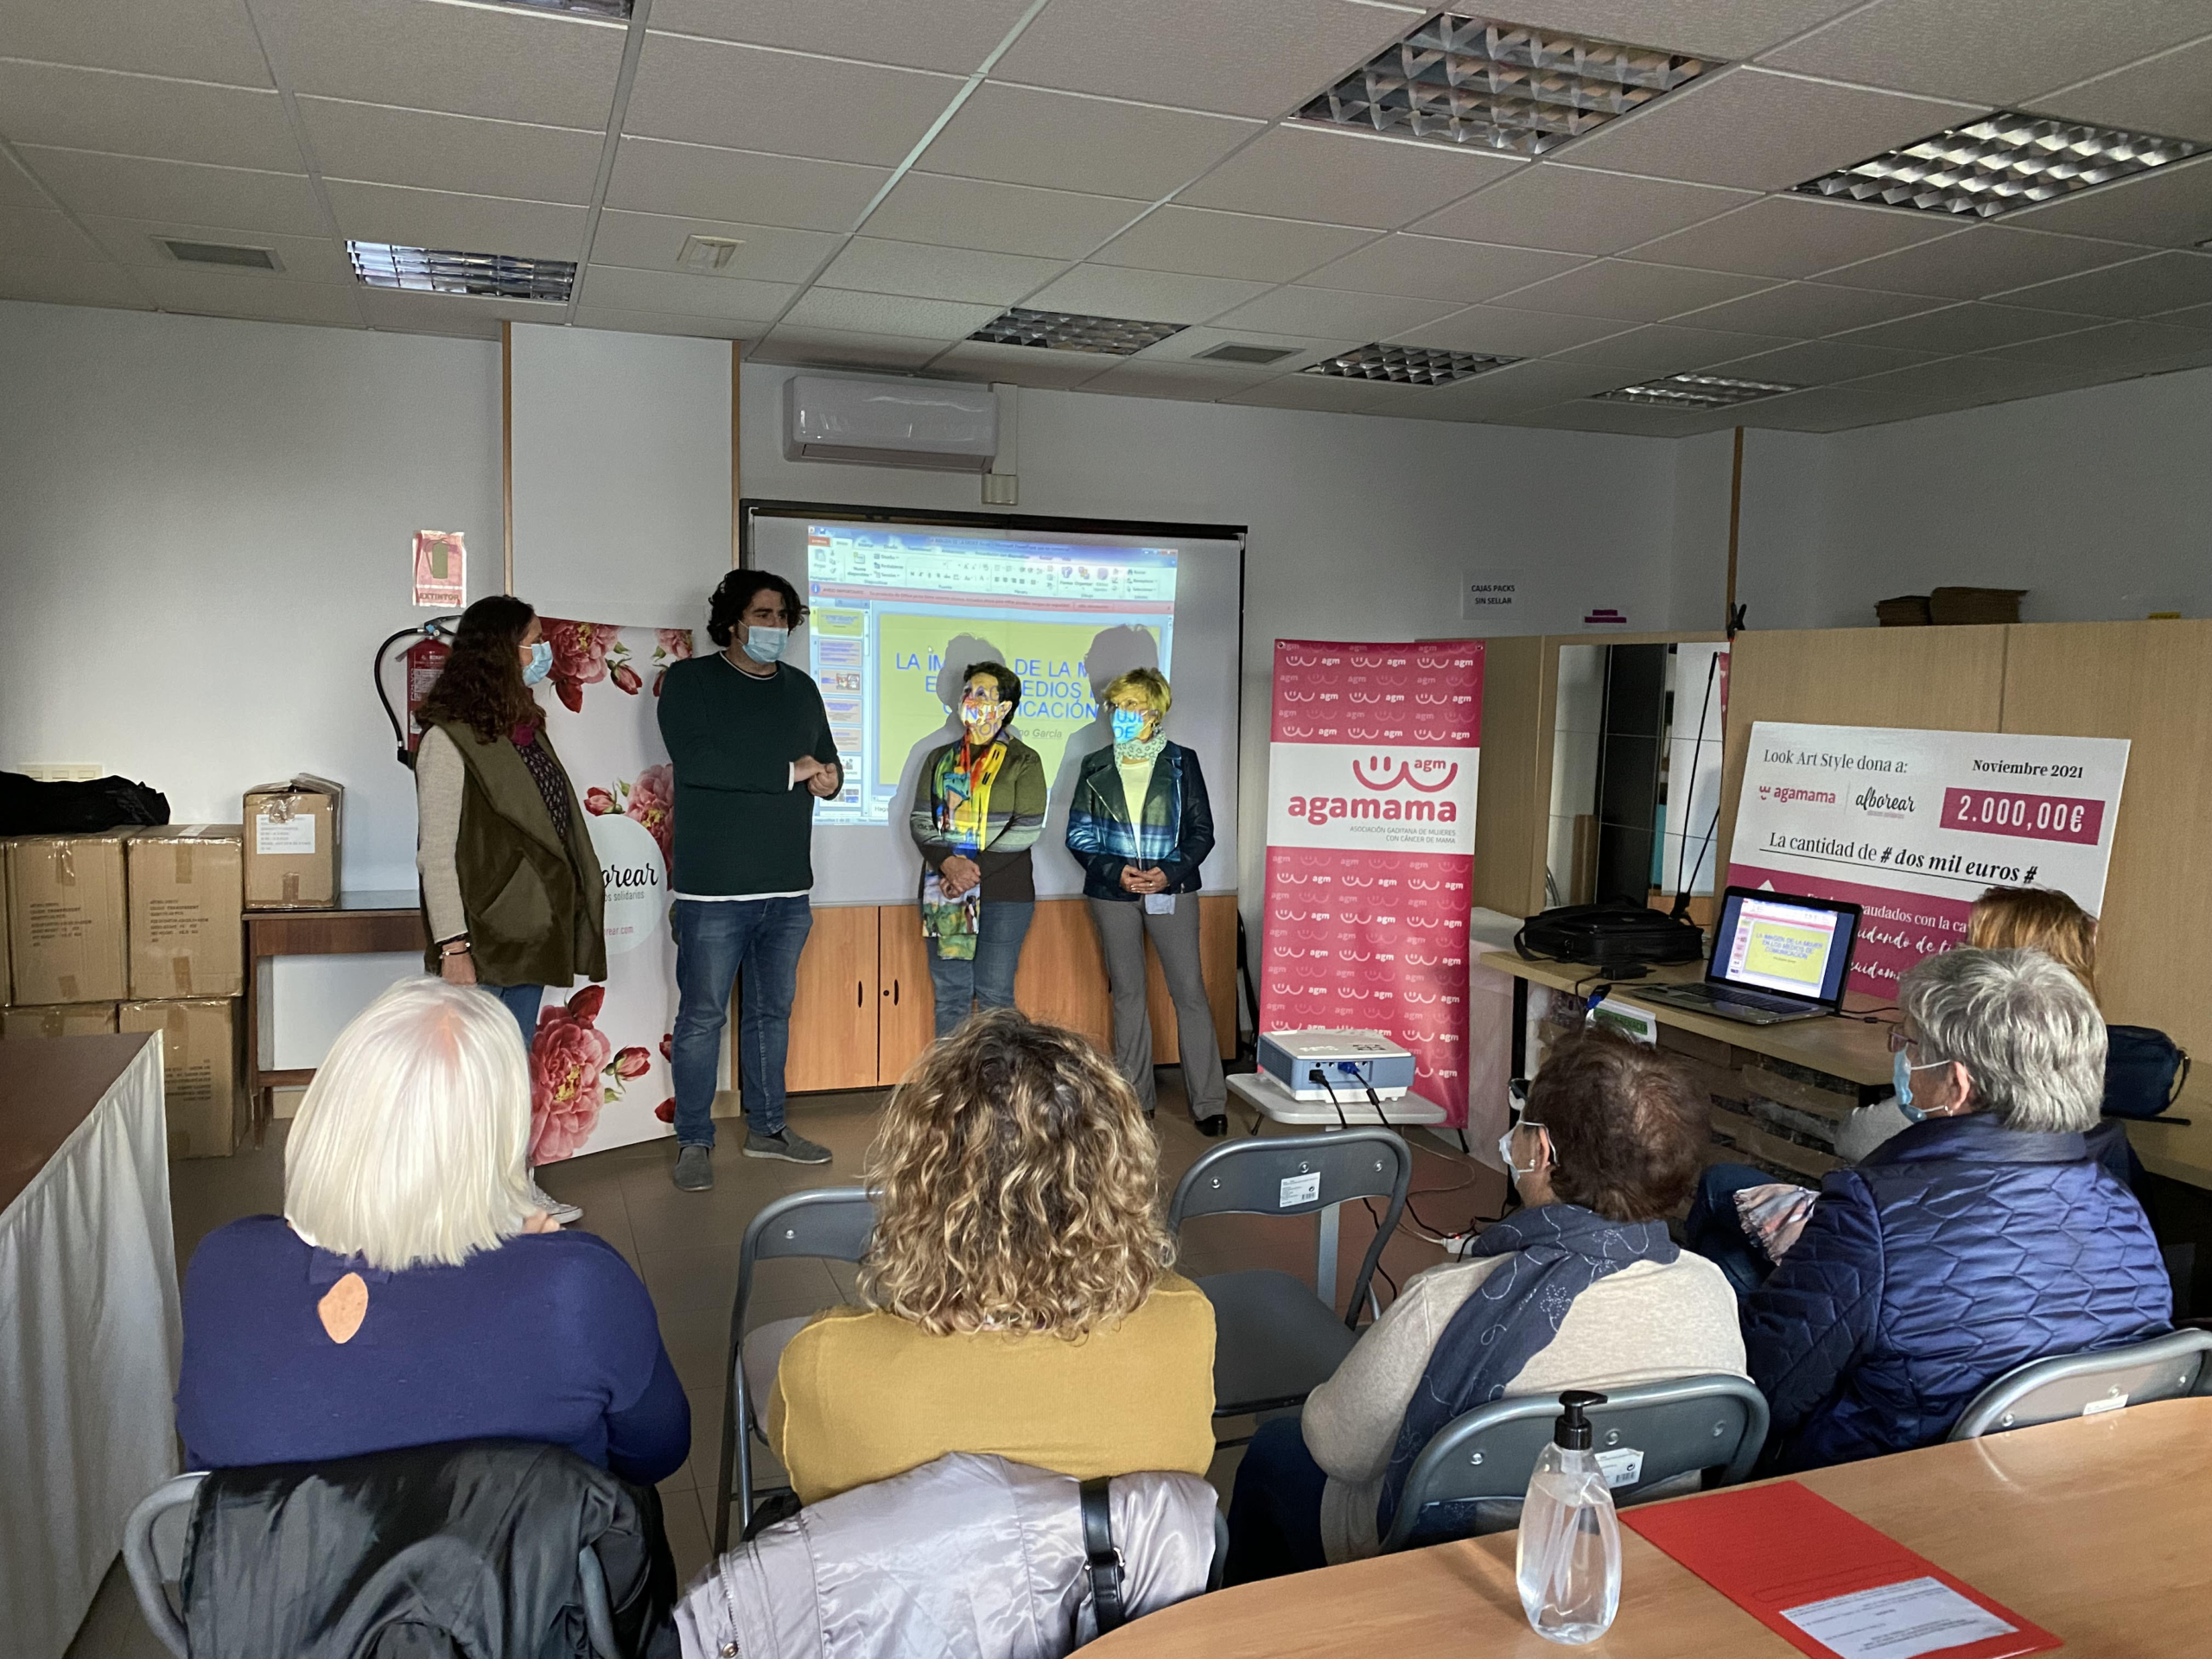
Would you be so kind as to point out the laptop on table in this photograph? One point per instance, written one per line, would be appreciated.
(1775, 957)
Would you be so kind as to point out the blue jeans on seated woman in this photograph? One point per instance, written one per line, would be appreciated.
(987, 978)
(1715, 1230)
(1275, 1510)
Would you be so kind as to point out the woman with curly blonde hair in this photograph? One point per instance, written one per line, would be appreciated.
(1020, 1300)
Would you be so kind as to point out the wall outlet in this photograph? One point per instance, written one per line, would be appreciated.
(63, 771)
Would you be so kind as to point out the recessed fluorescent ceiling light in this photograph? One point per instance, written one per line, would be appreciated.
(440, 271)
(1999, 163)
(1067, 331)
(1470, 80)
(1407, 366)
(1695, 392)
(221, 253)
(1231, 351)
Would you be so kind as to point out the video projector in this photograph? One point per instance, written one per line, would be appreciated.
(1352, 1061)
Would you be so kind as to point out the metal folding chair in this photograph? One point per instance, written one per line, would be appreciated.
(1654, 1432)
(153, 1539)
(2170, 1367)
(1275, 1341)
(832, 1223)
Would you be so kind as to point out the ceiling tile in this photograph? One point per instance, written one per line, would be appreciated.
(1197, 382)
(467, 316)
(1142, 295)
(887, 313)
(1818, 362)
(956, 36)
(1204, 242)
(300, 259)
(2194, 316)
(1980, 260)
(464, 153)
(142, 115)
(661, 322)
(2170, 94)
(1793, 236)
(1713, 29)
(1332, 314)
(1663, 349)
(1022, 136)
(998, 218)
(43, 233)
(17, 189)
(442, 219)
(1629, 420)
(931, 273)
(1969, 328)
(1579, 209)
(1500, 331)
(69, 282)
(619, 287)
(1824, 409)
(2170, 206)
(1344, 178)
(1808, 310)
(654, 177)
(766, 253)
(509, 63)
(1243, 57)
(1433, 268)
(1328, 394)
(132, 186)
(244, 293)
(1022, 365)
(840, 349)
(1761, 132)
(2112, 347)
(1186, 344)
(197, 40)
(2163, 282)
(1531, 385)
(1998, 51)
(753, 98)
(1950, 379)
(1633, 292)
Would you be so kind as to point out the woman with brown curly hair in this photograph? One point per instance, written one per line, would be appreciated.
(512, 895)
(1020, 1300)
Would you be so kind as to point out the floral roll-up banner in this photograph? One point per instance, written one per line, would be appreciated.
(1371, 848)
(599, 1065)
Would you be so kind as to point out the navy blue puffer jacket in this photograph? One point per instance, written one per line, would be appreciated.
(1957, 1250)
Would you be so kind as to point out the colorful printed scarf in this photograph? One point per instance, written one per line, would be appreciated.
(960, 794)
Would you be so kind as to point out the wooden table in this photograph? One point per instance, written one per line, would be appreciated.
(361, 924)
(2094, 1529)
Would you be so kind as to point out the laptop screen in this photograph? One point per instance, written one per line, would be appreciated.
(1775, 942)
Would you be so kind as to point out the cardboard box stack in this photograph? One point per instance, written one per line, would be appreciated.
(201, 1078)
(291, 844)
(63, 1019)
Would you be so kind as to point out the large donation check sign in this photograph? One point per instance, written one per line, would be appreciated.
(1914, 826)
(1371, 848)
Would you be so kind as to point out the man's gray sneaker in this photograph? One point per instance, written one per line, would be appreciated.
(791, 1148)
(694, 1169)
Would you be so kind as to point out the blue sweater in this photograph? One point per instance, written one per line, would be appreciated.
(550, 1338)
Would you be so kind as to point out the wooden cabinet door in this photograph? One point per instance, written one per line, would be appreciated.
(905, 1008)
(1062, 979)
(834, 1014)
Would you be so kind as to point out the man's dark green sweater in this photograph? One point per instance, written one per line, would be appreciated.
(742, 827)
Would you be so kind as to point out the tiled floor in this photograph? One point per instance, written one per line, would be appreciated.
(684, 1247)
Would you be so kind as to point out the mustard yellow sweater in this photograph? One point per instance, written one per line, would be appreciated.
(861, 1395)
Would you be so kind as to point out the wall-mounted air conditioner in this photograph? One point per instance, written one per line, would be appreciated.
(891, 423)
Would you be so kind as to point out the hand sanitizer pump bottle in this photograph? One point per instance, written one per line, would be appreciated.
(1569, 1557)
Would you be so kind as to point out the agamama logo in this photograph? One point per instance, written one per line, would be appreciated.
(1380, 776)
(1784, 793)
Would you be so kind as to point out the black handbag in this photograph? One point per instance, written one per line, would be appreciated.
(30, 808)
(2145, 1072)
(1614, 934)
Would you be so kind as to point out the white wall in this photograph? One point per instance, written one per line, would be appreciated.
(205, 529)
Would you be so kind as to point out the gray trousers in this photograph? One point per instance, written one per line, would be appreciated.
(1121, 930)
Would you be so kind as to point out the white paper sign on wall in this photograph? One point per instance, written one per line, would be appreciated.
(1494, 597)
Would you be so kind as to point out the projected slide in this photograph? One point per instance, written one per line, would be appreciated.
(1782, 947)
(895, 616)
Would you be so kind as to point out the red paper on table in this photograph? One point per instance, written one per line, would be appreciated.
(1824, 1580)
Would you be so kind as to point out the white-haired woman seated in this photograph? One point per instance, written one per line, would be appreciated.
(412, 1292)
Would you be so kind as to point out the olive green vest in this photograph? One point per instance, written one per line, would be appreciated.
(535, 904)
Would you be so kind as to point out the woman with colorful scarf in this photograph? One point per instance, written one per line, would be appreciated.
(979, 807)
(1140, 823)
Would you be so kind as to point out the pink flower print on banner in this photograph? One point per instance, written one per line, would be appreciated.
(626, 677)
(666, 1110)
(669, 645)
(668, 1046)
(599, 802)
(652, 803)
(632, 1063)
(579, 658)
(568, 1062)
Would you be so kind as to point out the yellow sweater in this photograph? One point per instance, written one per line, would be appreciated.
(861, 1395)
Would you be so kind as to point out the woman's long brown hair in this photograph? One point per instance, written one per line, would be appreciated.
(480, 686)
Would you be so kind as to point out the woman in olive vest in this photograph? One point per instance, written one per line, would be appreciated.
(512, 889)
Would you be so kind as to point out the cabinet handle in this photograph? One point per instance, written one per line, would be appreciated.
(860, 994)
(894, 993)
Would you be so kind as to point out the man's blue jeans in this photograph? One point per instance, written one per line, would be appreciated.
(716, 941)
(987, 978)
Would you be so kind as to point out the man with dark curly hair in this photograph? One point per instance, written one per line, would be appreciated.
(752, 752)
